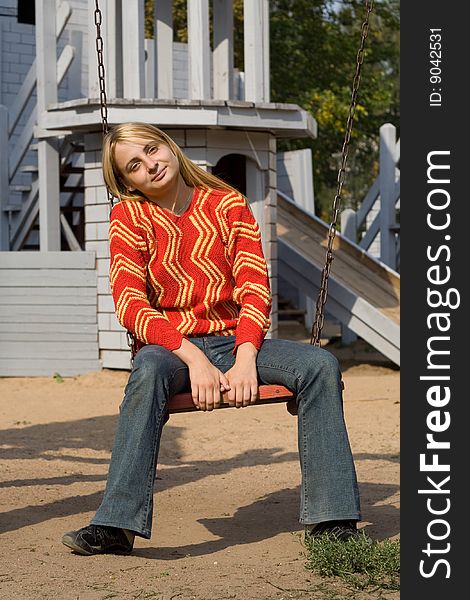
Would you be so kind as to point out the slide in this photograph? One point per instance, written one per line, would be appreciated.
(363, 293)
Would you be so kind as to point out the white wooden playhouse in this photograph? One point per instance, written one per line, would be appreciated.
(57, 311)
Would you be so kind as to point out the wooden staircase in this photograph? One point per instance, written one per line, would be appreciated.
(24, 214)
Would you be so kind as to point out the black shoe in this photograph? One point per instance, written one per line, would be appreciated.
(336, 530)
(98, 539)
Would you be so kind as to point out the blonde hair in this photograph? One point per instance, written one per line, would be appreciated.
(192, 174)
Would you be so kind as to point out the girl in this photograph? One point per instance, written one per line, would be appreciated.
(189, 280)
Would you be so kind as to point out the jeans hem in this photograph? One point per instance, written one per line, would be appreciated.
(330, 517)
(145, 534)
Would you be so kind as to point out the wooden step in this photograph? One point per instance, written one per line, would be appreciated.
(20, 188)
(69, 170)
(29, 169)
(11, 208)
(72, 209)
(77, 146)
(74, 189)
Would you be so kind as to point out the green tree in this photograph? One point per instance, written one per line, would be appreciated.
(314, 45)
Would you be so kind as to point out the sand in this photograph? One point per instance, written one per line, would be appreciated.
(226, 497)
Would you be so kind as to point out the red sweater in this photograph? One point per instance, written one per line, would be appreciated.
(200, 273)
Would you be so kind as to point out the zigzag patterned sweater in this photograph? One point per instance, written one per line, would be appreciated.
(199, 273)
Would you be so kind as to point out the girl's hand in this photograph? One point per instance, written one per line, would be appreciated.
(207, 382)
(243, 377)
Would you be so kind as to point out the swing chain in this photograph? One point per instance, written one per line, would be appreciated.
(323, 292)
(101, 71)
(99, 44)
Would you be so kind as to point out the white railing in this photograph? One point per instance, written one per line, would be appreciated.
(211, 74)
(377, 213)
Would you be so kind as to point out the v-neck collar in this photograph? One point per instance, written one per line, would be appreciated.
(177, 218)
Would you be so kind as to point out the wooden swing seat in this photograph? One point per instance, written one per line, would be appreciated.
(267, 394)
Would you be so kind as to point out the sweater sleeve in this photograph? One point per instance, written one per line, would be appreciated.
(128, 280)
(251, 290)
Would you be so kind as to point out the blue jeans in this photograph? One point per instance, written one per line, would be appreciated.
(329, 488)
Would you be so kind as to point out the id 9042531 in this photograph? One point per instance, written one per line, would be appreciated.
(435, 71)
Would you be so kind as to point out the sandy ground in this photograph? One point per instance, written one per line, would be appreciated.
(226, 498)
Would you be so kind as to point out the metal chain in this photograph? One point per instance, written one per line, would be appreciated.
(323, 292)
(131, 340)
(99, 44)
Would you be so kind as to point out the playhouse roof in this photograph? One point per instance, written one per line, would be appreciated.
(283, 120)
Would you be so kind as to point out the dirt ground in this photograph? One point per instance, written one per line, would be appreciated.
(226, 498)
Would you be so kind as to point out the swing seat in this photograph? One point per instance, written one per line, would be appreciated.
(267, 394)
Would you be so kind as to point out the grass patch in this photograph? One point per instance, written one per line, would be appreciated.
(358, 562)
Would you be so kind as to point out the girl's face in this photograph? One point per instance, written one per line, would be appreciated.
(147, 166)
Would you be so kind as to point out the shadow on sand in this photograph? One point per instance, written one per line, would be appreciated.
(266, 517)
